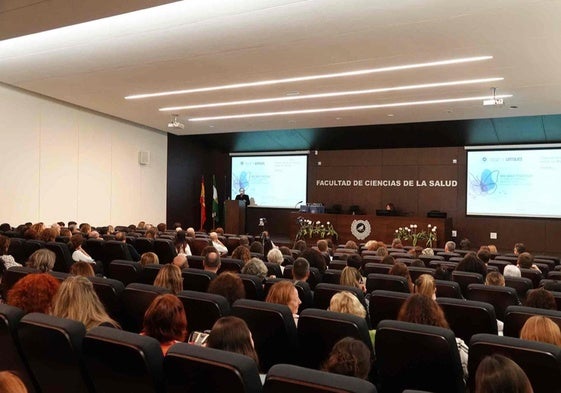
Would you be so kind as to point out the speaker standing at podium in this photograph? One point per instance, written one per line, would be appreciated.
(242, 197)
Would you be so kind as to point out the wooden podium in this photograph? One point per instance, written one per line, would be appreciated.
(234, 212)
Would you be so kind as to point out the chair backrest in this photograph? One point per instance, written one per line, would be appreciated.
(416, 271)
(516, 317)
(337, 265)
(196, 261)
(31, 246)
(149, 273)
(468, 317)
(94, 247)
(13, 275)
(143, 244)
(386, 282)
(319, 330)
(125, 271)
(121, 361)
(283, 378)
(196, 279)
(203, 309)
(53, 349)
(415, 356)
(385, 305)
(499, 297)
(447, 255)
(197, 369)
(253, 287)
(538, 360)
(445, 288)
(114, 249)
(533, 275)
(466, 278)
(136, 299)
(378, 268)
(324, 292)
(109, 292)
(331, 276)
(499, 264)
(521, 284)
(12, 357)
(199, 243)
(63, 259)
(273, 269)
(165, 250)
(273, 330)
(313, 279)
(230, 265)
(551, 285)
(17, 250)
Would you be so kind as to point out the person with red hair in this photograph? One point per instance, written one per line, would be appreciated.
(34, 293)
(165, 321)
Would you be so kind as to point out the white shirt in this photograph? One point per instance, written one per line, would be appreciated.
(79, 256)
(221, 248)
(9, 261)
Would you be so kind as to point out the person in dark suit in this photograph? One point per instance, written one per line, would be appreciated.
(242, 197)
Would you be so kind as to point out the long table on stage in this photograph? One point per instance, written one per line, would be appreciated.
(381, 227)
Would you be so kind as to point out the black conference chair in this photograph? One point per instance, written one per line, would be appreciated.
(143, 244)
(324, 292)
(196, 261)
(125, 271)
(113, 249)
(385, 305)
(197, 369)
(446, 288)
(516, 316)
(109, 292)
(149, 273)
(94, 247)
(521, 284)
(415, 356)
(253, 287)
(203, 309)
(63, 259)
(378, 268)
(387, 282)
(136, 298)
(13, 275)
(499, 297)
(165, 250)
(230, 265)
(196, 279)
(283, 378)
(331, 276)
(17, 250)
(121, 361)
(468, 317)
(273, 269)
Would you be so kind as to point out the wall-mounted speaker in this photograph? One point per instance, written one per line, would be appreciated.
(144, 157)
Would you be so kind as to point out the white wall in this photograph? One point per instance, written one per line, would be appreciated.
(58, 163)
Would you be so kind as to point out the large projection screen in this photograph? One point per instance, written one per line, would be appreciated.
(278, 180)
(514, 182)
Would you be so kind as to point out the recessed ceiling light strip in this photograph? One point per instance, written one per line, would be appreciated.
(332, 94)
(346, 108)
(310, 77)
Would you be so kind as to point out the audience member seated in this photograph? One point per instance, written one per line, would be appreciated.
(255, 267)
(348, 303)
(257, 248)
(83, 269)
(151, 233)
(465, 244)
(396, 243)
(94, 235)
(42, 260)
(388, 259)
(208, 249)
(351, 245)
(275, 256)
(229, 285)
(211, 263)
(300, 270)
(400, 269)
(11, 383)
(540, 298)
(542, 329)
(5, 259)
(493, 249)
(519, 248)
(417, 263)
(149, 258)
(495, 278)
(180, 260)
(450, 246)
(349, 356)
(415, 251)
(427, 251)
(79, 254)
(512, 271)
(242, 253)
(190, 232)
(425, 285)
(181, 244)
(354, 260)
(122, 237)
(315, 259)
(526, 261)
(497, 373)
(34, 293)
(244, 241)
(470, 263)
(351, 277)
(371, 245)
(285, 251)
(169, 277)
(165, 321)
(322, 246)
(484, 256)
(76, 299)
(422, 309)
(216, 243)
(48, 235)
(161, 227)
(300, 245)
(284, 292)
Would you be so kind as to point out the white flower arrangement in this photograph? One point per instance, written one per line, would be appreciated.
(309, 228)
(411, 232)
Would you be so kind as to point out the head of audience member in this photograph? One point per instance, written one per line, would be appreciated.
(141, 225)
(219, 231)
(349, 356)
(34, 293)
(76, 299)
(542, 329)
(465, 244)
(242, 253)
(351, 245)
(371, 245)
(85, 228)
(244, 241)
(390, 207)
(354, 260)
(284, 292)
(470, 263)
(257, 247)
(497, 373)
(285, 251)
(512, 271)
(425, 285)
(275, 256)
(190, 232)
(165, 320)
(169, 277)
(94, 235)
(396, 243)
(121, 236)
(495, 278)
(347, 303)
(301, 269)
(519, 248)
(161, 227)
(315, 259)
(382, 252)
(180, 260)
(423, 310)
(484, 256)
(427, 251)
(38, 228)
(151, 233)
(388, 260)
(11, 383)
(82, 268)
(211, 262)
(415, 251)
(4, 244)
(30, 234)
(149, 258)
(208, 249)
(42, 260)
(417, 263)
(351, 277)
(525, 260)
(229, 285)
(130, 228)
(65, 232)
(213, 236)
(77, 241)
(322, 245)
(450, 246)
(255, 267)
(300, 245)
(110, 229)
(442, 273)
(540, 298)
(180, 238)
(400, 269)
(48, 235)
(232, 334)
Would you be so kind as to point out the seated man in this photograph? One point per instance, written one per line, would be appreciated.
(211, 263)
(122, 237)
(222, 249)
(300, 270)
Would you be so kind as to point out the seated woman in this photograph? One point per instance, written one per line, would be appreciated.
(255, 267)
(232, 334)
(34, 293)
(425, 285)
(497, 373)
(149, 258)
(351, 277)
(229, 285)
(346, 302)
(6, 259)
(242, 253)
(349, 356)
(165, 321)
(76, 299)
(42, 260)
(181, 244)
(540, 298)
(84, 269)
(285, 292)
(422, 309)
(169, 277)
(79, 253)
(400, 269)
(543, 329)
(275, 256)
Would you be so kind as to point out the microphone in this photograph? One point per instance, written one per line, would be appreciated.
(297, 203)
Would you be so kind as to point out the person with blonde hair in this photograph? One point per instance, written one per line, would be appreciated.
(346, 302)
(425, 285)
(170, 277)
(42, 260)
(351, 277)
(495, 278)
(149, 258)
(275, 256)
(11, 383)
(76, 299)
(543, 329)
(81, 268)
(285, 292)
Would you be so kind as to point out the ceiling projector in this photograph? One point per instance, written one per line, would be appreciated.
(174, 123)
